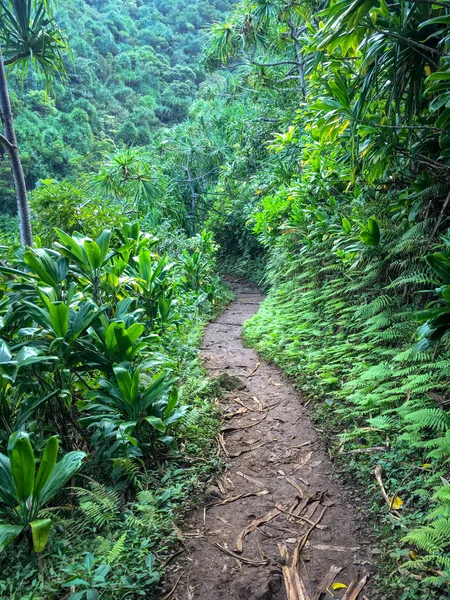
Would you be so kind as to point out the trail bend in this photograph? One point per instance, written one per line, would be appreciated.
(236, 548)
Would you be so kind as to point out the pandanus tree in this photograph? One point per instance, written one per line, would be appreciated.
(28, 34)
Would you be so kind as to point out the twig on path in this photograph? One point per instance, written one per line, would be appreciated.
(222, 444)
(172, 591)
(171, 557)
(238, 412)
(299, 517)
(254, 370)
(247, 561)
(234, 498)
(253, 525)
(296, 486)
(258, 402)
(304, 539)
(243, 426)
(251, 479)
(323, 586)
(239, 401)
(244, 450)
(355, 588)
(295, 588)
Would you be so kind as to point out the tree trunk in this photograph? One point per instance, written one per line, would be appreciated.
(9, 142)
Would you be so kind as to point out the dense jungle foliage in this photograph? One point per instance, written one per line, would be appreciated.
(312, 140)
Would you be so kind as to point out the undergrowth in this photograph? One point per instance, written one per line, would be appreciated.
(346, 336)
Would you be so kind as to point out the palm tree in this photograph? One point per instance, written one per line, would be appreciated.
(28, 33)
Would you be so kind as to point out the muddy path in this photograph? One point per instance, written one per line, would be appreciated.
(289, 498)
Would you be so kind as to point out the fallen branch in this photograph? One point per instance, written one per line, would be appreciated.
(355, 588)
(251, 479)
(234, 498)
(304, 539)
(239, 401)
(298, 517)
(244, 426)
(172, 591)
(247, 561)
(253, 525)
(258, 402)
(236, 454)
(378, 477)
(364, 450)
(222, 444)
(296, 486)
(326, 582)
(295, 588)
(254, 370)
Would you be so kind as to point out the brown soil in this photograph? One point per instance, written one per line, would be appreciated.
(288, 469)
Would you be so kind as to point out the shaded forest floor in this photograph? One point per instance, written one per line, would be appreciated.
(277, 524)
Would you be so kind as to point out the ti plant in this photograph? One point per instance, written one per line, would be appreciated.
(25, 492)
(134, 410)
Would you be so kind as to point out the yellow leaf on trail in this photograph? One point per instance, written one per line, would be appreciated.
(339, 586)
(396, 503)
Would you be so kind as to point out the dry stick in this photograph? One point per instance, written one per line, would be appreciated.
(244, 426)
(355, 588)
(299, 446)
(253, 525)
(236, 454)
(364, 450)
(326, 582)
(222, 444)
(378, 473)
(234, 498)
(172, 591)
(295, 589)
(308, 533)
(296, 486)
(239, 411)
(247, 561)
(299, 517)
(254, 370)
(283, 529)
(239, 401)
(258, 402)
(170, 558)
(251, 479)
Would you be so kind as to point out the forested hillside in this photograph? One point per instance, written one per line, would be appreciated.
(133, 68)
(305, 146)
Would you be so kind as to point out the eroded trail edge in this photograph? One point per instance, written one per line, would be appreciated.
(278, 525)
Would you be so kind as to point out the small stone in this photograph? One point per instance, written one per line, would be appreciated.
(231, 382)
(213, 492)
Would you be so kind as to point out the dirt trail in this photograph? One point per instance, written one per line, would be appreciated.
(274, 454)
